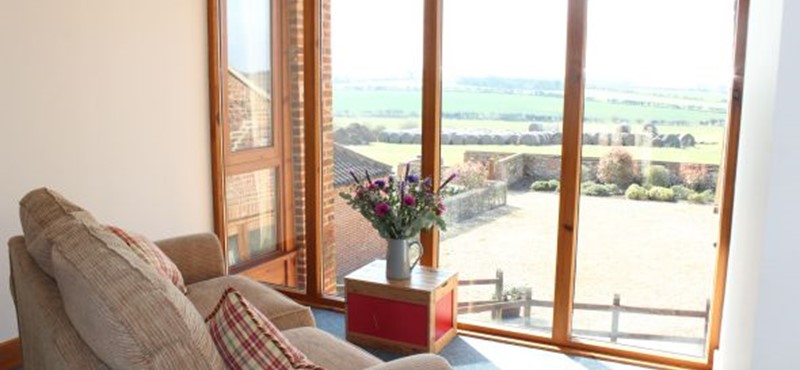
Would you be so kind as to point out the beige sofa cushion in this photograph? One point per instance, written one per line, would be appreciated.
(280, 310)
(38, 210)
(328, 351)
(130, 316)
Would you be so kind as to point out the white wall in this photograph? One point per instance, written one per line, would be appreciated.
(761, 321)
(107, 102)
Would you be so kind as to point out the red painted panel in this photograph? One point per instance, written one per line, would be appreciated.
(387, 319)
(444, 315)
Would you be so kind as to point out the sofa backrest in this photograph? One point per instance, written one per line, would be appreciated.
(130, 316)
(49, 341)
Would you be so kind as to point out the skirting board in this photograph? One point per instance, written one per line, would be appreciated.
(10, 354)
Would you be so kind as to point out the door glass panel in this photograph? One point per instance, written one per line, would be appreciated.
(372, 104)
(249, 74)
(502, 102)
(657, 87)
(252, 214)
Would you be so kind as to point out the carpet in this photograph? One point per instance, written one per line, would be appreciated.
(465, 353)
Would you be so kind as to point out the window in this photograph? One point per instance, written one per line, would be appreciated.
(659, 113)
(257, 151)
(374, 110)
(596, 143)
(501, 115)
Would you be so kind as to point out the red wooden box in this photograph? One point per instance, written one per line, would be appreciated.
(416, 315)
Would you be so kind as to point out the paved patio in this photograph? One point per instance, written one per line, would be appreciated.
(658, 255)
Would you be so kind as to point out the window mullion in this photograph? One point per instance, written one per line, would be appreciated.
(431, 114)
(570, 170)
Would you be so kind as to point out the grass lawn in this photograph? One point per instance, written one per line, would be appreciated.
(394, 154)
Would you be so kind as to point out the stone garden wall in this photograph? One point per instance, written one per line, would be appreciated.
(506, 166)
(466, 205)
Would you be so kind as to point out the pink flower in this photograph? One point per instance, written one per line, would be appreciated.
(381, 209)
(440, 208)
(409, 200)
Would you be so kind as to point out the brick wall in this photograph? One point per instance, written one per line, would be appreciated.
(547, 167)
(357, 243)
(296, 100)
(329, 194)
(294, 48)
(248, 112)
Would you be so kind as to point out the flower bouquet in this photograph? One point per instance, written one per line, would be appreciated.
(398, 210)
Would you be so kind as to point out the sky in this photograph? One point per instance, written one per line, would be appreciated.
(248, 35)
(663, 43)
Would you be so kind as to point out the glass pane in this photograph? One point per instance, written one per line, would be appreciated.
(252, 214)
(502, 103)
(654, 130)
(371, 92)
(249, 75)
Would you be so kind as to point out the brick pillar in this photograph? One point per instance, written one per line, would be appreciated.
(328, 192)
(295, 52)
(294, 9)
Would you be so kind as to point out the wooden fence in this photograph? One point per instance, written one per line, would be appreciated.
(497, 306)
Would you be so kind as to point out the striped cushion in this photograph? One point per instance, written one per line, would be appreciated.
(246, 339)
(152, 254)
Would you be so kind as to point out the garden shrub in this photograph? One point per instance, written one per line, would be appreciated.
(681, 192)
(545, 185)
(594, 189)
(656, 176)
(616, 168)
(636, 192)
(587, 173)
(695, 176)
(704, 197)
(661, 194)
(469, 175)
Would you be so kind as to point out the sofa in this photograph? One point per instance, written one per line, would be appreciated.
(84, 301)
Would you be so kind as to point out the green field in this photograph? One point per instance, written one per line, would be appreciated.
(408, 102)
(371, 107)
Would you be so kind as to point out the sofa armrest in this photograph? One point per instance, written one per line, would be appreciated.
(198, 256)
(424, 361)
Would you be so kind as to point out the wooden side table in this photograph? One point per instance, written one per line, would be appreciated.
(416, 315)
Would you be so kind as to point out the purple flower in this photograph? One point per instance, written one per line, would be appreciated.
(440, 208)
(380, 183)
(409, 200)
(381, 209)
(412, 178)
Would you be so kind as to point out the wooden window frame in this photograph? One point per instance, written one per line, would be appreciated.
(560, 338)
(225, 162)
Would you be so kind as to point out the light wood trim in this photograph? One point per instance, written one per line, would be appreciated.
(214, 97)
(431, 115)
(313, 145)
(10, 354)
(570, 172)
(385, 292)
(387, 344)
(728, 185)
(545, 344)
(439, 345)
(431, 324)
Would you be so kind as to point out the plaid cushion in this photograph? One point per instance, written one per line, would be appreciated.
(246, 339)
(152, 254)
